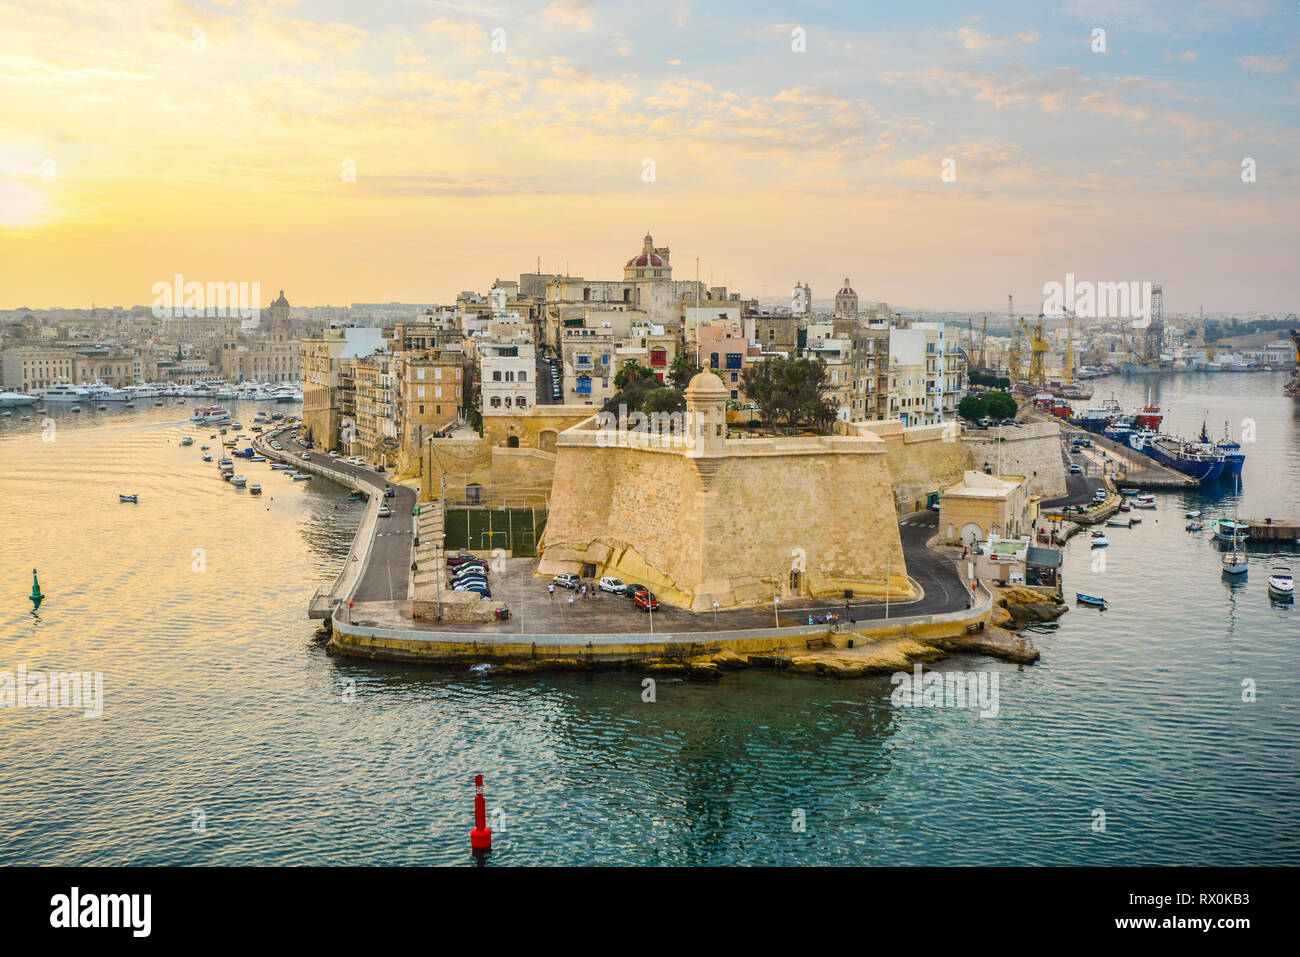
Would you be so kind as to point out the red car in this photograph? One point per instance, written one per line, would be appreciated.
(645, 601)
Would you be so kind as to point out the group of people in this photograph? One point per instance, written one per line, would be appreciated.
(829, 618)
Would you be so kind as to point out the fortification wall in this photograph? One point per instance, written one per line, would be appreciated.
(1032, 450)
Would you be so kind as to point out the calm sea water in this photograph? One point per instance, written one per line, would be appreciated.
(221, 705)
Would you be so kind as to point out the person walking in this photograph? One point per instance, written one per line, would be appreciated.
(551, 588)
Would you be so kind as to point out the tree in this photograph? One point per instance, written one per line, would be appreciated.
(787, 391)
(972, 408)
(1001, 405)
(682, 370)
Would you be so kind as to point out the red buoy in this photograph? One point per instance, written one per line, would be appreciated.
(480, 839)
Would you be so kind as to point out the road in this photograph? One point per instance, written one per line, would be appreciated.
(385, 576)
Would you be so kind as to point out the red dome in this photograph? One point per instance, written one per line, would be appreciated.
(645, 259)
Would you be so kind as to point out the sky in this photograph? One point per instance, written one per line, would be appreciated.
(941, 155)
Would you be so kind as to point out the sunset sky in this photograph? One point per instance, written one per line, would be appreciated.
(144, 138)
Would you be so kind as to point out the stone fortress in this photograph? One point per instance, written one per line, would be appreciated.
(701, 518)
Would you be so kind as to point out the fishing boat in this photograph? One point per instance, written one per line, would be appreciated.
(302, 476)
(257, 458)
(255, 489)
(1090, 600)
(188, 440)
(1119, 522)
(1139, 503)
(1101, 542)
(1097, 533)
(207, 458)
(1135, 521)
(1125, 507)
(133, 499)
(210, 415)
(1228, 530)
(281, 467)
(1194, 526)
(1235, 563)
(239, 481)
(1194, 513)
(1129, 492)
(1280, 583)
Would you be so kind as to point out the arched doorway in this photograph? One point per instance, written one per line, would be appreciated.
(512, 442)
(546, 439)
(971, 533)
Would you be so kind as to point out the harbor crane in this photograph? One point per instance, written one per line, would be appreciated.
(1038, 354)
(1013, 351)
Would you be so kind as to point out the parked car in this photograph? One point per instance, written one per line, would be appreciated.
(306, 456)
(462, 558)
(632, 588)
(460, 584)
(385, 511)
(469, 571)
(1076, 470)
(1101, 494)
(567, 580)
(646, 601)
(482, 590)
(614, 586)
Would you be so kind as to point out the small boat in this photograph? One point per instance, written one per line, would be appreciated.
(188, 440)
(237, 426)
(302, 476)
(1194, 513)
(281, 467)
(1148, 497)
(1194, 526)
(1135, 521)
(255, 489)
(1235, 563)
(101, 407)
(207, 458)
(239, 481)
(1118, 523)
(1097, 533)
(133, 499)
(257, 458)
(1280, 583)
(1100, 542)
(1141, 504)
(357, 496)
(1126, 507)
(1091, 600)
(1227, 530)
(158, 402)
(1129, 492)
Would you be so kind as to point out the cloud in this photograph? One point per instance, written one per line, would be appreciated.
(574, 13)
(973, 39)
(1265, 64)
(1187, 56)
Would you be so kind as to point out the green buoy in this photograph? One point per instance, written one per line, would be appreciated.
(36, 595)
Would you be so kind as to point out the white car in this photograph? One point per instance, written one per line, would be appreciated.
(385, 511)
(613, 585)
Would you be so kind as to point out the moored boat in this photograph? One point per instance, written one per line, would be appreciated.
(1194, 526)
(188, 440)
(1227, 530)
(1280, 583)
(1194, 460)
(133, 499)
(239, 481)
(1090, 600)
(255, 489)
(1119, 522)
(1101, 542)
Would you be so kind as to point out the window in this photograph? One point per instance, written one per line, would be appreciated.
(437, 392)
(510, 376)
(521, 402)
(419, 373)
(584, 361)
(496, 375)
(735, 377)
(422, 410)
(584, 385)
(507, 402)
(735, 360)
(419, 390)
(523, 376)
(496, 402)
(437, 373)
(604, 358)
(658, 357)
(713, 360)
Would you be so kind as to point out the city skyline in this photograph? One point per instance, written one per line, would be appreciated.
(787, 145)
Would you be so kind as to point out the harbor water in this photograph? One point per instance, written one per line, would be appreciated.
(228, 736)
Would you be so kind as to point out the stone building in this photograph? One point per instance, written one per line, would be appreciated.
(983, 506)
(692, 513)
(846, 300)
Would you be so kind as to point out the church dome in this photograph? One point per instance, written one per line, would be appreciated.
(281, 301)
(647, 256)
(847, 290)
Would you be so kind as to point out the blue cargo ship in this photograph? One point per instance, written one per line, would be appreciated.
(1234, 460)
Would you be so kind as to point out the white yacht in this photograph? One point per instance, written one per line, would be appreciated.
(99, 392)
(65, 391)
(1280, 583)
(9, 400)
